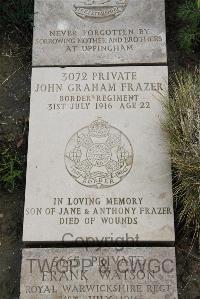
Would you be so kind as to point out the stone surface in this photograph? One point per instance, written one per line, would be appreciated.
(99, 273)
(106, 32)
(98, 166)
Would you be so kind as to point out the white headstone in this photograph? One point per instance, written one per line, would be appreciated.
(89, 32)
(98, 165)
(99, 273)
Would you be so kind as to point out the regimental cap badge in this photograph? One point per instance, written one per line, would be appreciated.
(99, 155)
(99, 10)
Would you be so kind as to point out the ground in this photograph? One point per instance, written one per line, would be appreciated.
(15, 80)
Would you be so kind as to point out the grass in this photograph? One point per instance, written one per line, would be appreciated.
(189, 34)
(182, 125)
(13, 159)
(11, 172)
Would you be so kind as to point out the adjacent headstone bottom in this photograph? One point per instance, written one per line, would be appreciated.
(99, 273)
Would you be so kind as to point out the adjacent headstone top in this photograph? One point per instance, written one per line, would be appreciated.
(88, 32)
(98, 165)
(94, 273)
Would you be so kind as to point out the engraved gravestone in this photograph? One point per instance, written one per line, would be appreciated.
(94, 273)
(98, 165)
(88, 32)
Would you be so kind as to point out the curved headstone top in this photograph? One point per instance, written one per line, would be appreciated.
(88, 32)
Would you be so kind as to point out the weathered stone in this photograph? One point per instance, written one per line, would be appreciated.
(106, 32)
(98, 167)
(99, 273)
